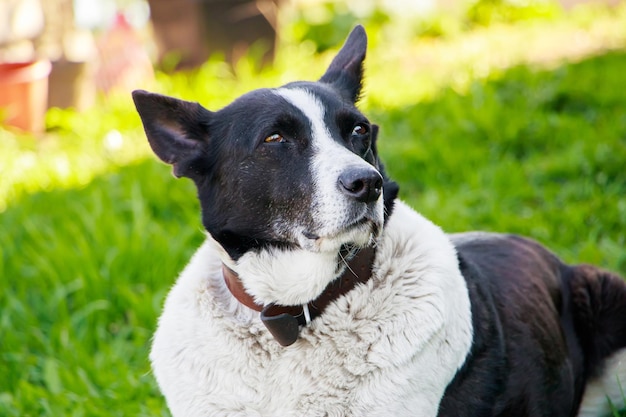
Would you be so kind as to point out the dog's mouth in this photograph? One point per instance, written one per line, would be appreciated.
(355, 224)
(357, 233)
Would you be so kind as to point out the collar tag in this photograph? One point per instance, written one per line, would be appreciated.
(282, 325)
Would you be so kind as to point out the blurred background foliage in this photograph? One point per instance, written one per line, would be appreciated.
(326, 23)
(498, 115)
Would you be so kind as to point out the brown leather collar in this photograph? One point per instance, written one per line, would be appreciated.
(284, 322)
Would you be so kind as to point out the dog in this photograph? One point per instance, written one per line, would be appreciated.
(319, 293)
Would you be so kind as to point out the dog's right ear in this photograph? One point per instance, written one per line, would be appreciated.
(176, 129)
(345, 72)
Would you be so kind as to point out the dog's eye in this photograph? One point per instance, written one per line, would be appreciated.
(360, 130)
(275, 138)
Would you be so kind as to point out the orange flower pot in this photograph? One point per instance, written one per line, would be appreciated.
(24, 94)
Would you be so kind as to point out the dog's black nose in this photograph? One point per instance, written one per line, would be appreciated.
(362, 184)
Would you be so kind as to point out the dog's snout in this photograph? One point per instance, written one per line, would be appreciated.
(364, 185)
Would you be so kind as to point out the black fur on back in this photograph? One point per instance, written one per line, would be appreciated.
(542, 329)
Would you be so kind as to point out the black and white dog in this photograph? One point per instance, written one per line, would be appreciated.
(318, 293)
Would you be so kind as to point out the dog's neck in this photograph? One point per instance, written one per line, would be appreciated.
(284, 322)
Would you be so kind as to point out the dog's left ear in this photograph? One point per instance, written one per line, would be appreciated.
(176, 129)
(346, 70)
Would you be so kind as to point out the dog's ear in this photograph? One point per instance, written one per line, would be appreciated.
(176, 129)
(346, 70)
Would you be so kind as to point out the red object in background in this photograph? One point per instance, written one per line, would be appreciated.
(24, 94)
(124, 63)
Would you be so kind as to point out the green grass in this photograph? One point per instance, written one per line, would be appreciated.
(534, 152)
(93, 232)
(87, 269)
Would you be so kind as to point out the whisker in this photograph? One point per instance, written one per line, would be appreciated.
(347, 266)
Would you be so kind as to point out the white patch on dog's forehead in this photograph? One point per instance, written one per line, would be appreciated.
(308, 104)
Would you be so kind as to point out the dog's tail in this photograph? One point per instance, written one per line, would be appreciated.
(599, 301)
(599, 310)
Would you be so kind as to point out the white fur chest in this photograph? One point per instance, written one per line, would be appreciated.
(389, 347)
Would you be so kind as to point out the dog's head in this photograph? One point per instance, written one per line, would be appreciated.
(288, 179)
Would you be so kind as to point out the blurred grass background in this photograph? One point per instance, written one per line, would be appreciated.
(504, 116)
